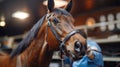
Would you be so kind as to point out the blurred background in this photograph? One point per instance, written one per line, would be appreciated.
(99, 18)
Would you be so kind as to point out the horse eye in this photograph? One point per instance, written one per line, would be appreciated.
(55, 21)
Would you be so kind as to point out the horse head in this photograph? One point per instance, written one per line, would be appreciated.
(71, 41)
(55, 31)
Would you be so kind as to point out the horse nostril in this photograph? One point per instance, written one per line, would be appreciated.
(68, 51)
(77, 46)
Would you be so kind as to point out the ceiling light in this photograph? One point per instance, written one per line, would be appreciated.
(2, 23)
(90, 21)
(20, 15)
(58, 3)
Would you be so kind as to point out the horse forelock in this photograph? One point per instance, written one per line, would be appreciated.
(62, 20)
(28, 39)
(61, 11)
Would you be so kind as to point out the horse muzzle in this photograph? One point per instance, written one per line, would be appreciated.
(79, 51)
(74, 56)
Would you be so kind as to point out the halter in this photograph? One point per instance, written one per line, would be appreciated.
(62, 42)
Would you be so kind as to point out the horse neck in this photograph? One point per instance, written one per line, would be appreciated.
(37, 54)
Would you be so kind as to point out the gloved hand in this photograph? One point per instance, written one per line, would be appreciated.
(90, 53)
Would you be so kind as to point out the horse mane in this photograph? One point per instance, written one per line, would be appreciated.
(61, 11)
(30, 36)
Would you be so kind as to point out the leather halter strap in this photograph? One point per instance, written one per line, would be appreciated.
(54, 32)
(62, 43)
(69, 35)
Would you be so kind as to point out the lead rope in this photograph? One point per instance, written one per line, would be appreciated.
(62, 59)
(62, 62)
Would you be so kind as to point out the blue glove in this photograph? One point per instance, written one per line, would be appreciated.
(81, 63)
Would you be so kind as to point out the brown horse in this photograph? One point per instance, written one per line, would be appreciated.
(53, 32)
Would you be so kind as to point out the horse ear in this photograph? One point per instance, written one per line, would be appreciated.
(69, 6)
(50, 5)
